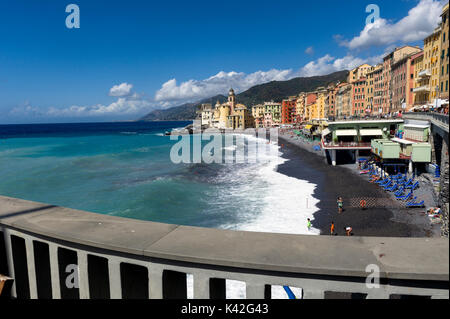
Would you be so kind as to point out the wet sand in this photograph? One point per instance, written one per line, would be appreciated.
(386, 217)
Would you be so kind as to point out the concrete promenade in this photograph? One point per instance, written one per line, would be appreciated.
(417, 259)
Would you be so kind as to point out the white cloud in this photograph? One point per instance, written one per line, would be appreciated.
(122, 89)
(26, 109)
(309, 50)
(123, 106)
(217, 84)
(127, 103)
(420, 22)
(328, 64)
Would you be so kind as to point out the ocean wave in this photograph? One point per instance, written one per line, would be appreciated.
(284, 202)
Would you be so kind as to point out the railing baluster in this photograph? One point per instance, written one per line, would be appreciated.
(54, 271)
(31, 268)
(83, 279)
(201, 286)
(155, 277)
(115, 286)
(254, 290)
(8, 248)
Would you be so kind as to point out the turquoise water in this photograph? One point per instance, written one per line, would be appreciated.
(124, 169)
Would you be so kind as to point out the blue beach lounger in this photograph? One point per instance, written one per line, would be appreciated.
(405, 197)
(391, 188)
(413, 186)
(399, 192)
(409, 182)
(383, 182)
(413, 204)
(389, 182)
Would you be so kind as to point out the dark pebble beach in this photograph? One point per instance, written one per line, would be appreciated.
(383, 216)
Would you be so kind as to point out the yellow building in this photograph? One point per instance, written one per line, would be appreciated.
(422, 80)
(258, 111)
(344, 100)
(258, 115)
(230, 114)
(224, 112)
(444, 55)
(318, 108)
(241, 118)
(431, 48)
(358, 72)
(300, 105)
(369, 89)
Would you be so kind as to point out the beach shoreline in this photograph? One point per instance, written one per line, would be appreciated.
(388, 218)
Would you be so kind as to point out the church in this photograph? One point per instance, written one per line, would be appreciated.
(231, 115)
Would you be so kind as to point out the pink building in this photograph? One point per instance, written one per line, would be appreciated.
(378, 91)
(358, 97)
(402, 84)
(386, 81)
(268, 121)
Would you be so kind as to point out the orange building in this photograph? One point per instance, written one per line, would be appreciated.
(288, 113)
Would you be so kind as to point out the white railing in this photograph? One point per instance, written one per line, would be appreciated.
(425, 72)
(55, 252)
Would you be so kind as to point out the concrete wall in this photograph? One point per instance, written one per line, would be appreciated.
(125, 258)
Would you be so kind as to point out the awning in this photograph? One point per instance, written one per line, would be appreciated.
(326, 132)
(346, 133)
(402, 141)
(370, 132)
(417, 125)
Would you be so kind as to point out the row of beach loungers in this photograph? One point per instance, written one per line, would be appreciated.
(402, 186)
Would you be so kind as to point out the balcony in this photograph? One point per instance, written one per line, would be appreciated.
(424, 73)
(423, 88)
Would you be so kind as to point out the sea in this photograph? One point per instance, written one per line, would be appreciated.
(125, 169)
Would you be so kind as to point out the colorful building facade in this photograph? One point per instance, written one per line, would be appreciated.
(358, 97)
(444, 56)
(403, 84)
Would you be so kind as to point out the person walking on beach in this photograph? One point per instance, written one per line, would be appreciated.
(340, 203)
(308, 224)
(332, 229)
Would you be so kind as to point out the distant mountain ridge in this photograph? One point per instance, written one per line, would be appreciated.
(275, 90)
(182, 112)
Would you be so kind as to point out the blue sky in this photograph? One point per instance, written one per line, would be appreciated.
(130, 57)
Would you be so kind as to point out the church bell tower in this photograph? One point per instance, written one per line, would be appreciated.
(231, 100)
